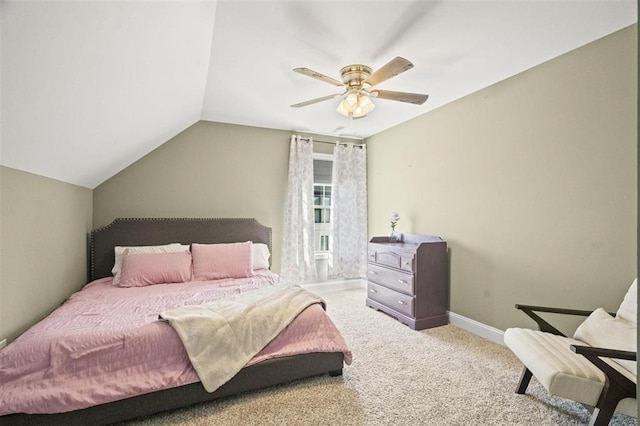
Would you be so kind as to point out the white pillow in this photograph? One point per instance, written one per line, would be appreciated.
(121, 252)
(602, 330)
(260, 256)
(628, 309)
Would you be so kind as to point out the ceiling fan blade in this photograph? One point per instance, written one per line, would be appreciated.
(318, 76)
(412, 98)
(316, 100)
(392, 68)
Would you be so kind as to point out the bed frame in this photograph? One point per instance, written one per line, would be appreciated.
(156, 231)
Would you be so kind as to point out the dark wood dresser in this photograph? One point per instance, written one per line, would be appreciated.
(409, 279)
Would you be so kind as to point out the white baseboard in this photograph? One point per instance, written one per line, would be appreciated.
(477, 328)
(335, 285)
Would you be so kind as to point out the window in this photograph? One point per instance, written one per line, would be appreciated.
(322, 203)
(322, 169)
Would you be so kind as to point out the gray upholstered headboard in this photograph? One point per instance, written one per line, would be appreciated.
(156, 231)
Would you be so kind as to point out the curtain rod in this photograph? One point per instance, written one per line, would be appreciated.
(359, 145)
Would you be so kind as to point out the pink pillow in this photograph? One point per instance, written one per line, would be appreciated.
(155, 268)
(217, 261)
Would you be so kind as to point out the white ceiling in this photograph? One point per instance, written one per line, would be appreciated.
(88, 87)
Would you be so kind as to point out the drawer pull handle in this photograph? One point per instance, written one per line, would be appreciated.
(402, 281)
(407, 263)
(402, 302)
(372, 291)
(372, 255)
(373, 273)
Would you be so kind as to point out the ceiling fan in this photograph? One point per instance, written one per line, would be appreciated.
(358, 82)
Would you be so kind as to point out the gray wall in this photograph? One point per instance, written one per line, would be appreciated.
(209, 170)
(44, 225)
(533, 183)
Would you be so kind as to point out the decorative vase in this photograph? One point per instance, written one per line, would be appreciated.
(393, 238)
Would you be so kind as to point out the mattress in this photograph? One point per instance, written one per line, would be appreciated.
(106, 343)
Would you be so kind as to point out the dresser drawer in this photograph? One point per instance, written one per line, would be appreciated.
(388, 258)
(397, 301)
(406, 263)
(396, 280)
(398, 260)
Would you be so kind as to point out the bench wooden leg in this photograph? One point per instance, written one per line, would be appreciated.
(599, 418)
(525, 378)
(605, 408)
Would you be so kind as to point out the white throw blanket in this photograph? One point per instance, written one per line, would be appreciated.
(221, 337)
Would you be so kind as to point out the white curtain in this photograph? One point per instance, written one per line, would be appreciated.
(348, 242)
(298, 260)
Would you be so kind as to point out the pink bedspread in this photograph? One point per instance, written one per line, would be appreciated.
(106, 343)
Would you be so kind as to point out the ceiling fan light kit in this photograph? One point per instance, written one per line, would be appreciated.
(355, 106)
(357, 80)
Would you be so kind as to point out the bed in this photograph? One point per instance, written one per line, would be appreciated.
(274, 365)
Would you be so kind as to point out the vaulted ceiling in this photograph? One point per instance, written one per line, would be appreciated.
(88, 87)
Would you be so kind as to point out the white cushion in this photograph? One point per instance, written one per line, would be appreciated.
(562, 372)
(602, 330)
(260, 256)
(628, 309)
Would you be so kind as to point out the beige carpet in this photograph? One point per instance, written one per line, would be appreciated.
(441, 376)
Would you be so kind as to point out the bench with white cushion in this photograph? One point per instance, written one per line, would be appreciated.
(597, 367)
